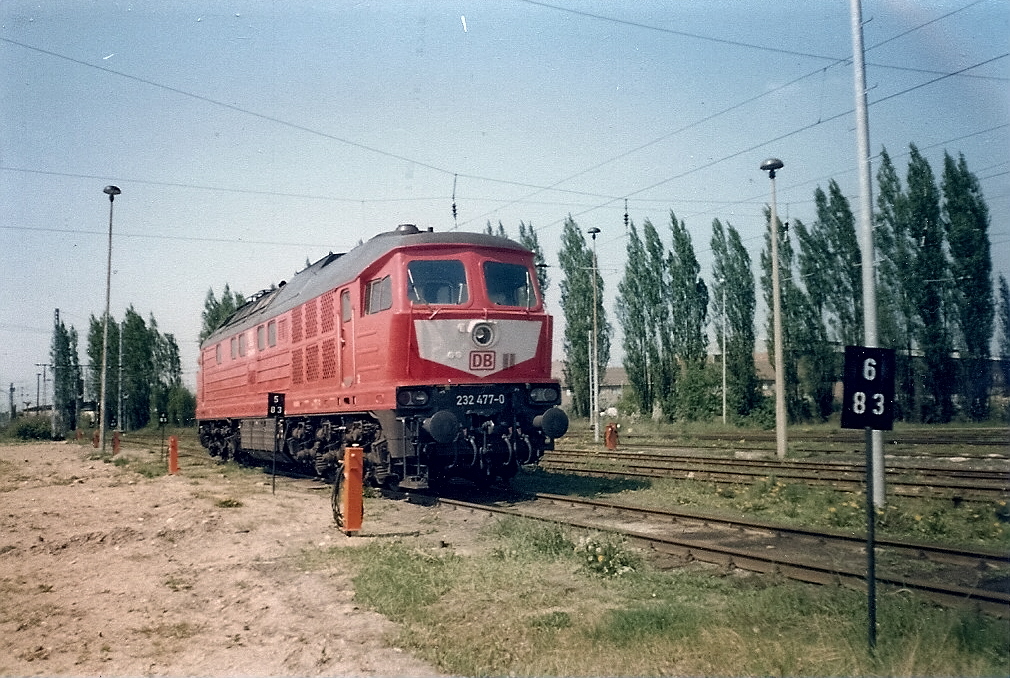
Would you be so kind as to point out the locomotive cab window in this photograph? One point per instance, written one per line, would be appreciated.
(379, 295)
(441, 281)
(509, 285)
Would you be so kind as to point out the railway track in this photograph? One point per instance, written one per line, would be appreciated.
(950, 576)
(969, 437)
(958, 484)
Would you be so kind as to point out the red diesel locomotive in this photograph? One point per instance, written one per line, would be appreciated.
(430, 351)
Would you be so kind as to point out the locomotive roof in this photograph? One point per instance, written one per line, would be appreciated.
(334, 270)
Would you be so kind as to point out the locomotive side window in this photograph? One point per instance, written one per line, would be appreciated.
(234, 348)
(379, 295)
(217, 354)
(272, 333)
(440, 281)
(509, 285)
(345, 306)
(241, 344)
(261, 337)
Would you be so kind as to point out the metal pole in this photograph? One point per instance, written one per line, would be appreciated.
(771, 165)
(119, 416)
(874, 439)
(594, 368)
(112, 192)
(870, 338)
(724, 351)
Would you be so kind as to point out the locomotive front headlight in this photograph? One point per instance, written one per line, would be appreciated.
(544, 394)
(482, 335)
(412, 398)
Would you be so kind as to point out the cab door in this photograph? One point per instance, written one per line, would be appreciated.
(346, 338)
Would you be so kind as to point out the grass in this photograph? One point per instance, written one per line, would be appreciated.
(527, 604)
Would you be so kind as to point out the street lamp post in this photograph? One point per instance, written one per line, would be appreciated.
(771, 165)
(594, 377)
(723, 283)
(112, 192)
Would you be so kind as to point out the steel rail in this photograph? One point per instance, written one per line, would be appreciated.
(966, 490)
(922, 549)
(992, 602)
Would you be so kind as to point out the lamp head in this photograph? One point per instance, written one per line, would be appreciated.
(111, 191)
(593, 231)
(772, 164)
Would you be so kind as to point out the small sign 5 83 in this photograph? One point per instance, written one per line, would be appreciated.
(868, 388)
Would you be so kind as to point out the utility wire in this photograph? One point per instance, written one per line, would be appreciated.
(762, 48)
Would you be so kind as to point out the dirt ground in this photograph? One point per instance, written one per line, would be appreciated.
(106, 572)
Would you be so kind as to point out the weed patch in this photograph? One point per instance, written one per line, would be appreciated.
(528, 605)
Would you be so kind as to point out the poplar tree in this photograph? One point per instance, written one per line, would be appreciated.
(216, 312)
(734, 280)
(830, 266)
(66, 377)
(94, 381)
(528, 239)
(632, 314)
(817, 364)
(930, 289)
(794, 318)
(663, 358)
(688, 299)
(898, 321)
(966, 225)
(576, 262)
(1003, 346)
(138, 370)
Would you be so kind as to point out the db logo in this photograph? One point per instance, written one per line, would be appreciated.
(482, 360)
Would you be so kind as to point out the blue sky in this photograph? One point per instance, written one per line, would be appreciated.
(248, 137)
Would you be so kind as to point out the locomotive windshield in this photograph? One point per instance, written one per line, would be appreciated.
(441, 281)
(509, 285)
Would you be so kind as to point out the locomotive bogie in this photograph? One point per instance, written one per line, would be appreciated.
(429, 351)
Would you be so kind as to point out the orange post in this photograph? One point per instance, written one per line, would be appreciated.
(353, 508)
(115, 442)
(173, 455)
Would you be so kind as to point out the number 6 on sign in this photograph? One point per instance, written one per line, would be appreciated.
(868, 400)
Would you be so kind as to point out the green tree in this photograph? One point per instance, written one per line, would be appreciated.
(830, 266)
(632, 314)
(688, 300)
(138, 371)
(966, 225)
(795, 316)
(897, 318)
(528, 239)
(734, 281)
(576, 262)
(94, 380)
(216, 312)
(66, 377)
(181, 406)
(1003, 311)
(663, 358)
(931, 276)
(167, 367)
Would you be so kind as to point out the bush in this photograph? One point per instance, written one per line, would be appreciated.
(32, 428)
